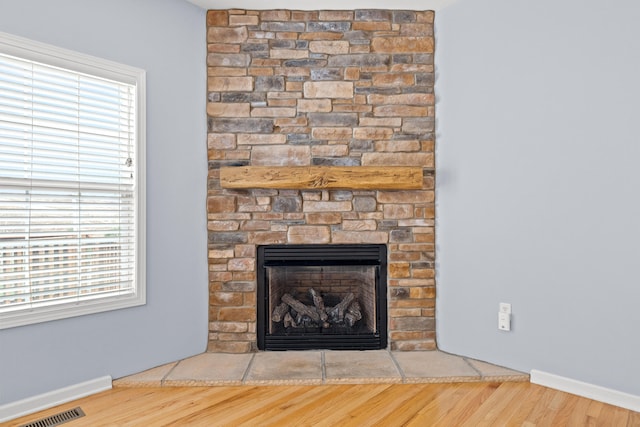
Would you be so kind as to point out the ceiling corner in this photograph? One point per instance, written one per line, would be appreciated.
(326, 5)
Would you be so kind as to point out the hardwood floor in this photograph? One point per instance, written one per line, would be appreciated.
(463, 404)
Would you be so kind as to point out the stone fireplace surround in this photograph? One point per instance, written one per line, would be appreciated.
(320, 88)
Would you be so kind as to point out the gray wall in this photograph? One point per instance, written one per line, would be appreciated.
(538, 188)
(166, 38)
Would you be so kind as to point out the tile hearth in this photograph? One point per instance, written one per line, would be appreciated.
(319, 367)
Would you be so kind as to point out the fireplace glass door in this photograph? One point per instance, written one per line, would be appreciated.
(322, 297)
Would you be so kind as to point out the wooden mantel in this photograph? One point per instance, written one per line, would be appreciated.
(322, 177)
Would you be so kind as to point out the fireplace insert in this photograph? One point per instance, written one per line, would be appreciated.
(330, 297)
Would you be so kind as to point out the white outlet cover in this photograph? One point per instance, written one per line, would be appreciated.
(504, 321)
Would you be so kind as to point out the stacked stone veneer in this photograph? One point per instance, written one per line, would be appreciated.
(334, 88)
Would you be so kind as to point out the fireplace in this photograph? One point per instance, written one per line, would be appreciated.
(322, 297)
(308, 113)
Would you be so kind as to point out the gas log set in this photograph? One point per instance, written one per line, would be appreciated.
(322, 312)
(330, 297)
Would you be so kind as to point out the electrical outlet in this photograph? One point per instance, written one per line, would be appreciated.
(504, 321)
(504, 317)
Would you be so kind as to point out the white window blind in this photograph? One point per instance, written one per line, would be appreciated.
(69, 189)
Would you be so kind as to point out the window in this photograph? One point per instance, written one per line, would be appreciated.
(71, 183)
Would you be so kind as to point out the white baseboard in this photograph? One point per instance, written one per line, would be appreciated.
(591, 391)
(37, 403)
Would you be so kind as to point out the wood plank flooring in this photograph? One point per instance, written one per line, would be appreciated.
(462, 404)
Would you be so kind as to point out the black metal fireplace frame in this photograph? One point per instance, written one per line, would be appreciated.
(322, 255)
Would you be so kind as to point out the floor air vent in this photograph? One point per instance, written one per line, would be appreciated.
(57, 419)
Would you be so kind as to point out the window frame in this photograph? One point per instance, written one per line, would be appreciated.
(86, 64)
